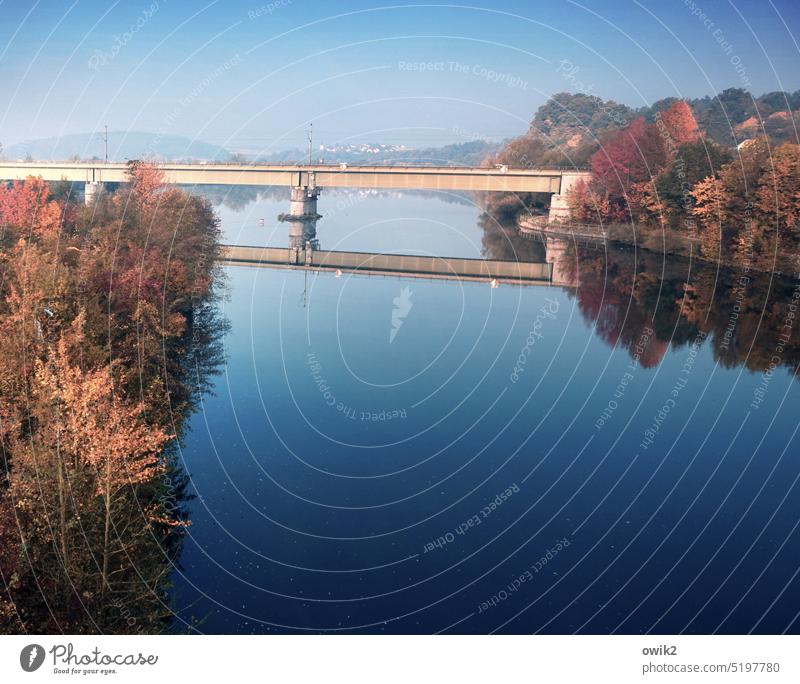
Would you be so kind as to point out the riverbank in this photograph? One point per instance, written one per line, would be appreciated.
(655, 239)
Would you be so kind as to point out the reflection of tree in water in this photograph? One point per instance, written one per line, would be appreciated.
(625, 293)
(238, 197)
(501, 240)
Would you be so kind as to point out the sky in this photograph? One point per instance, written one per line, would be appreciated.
(252, 75)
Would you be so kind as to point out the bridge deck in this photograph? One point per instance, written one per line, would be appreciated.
(323, 175)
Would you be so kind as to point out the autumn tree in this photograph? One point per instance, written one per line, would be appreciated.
(625, 165)
(709, 210)
(693, 162)
(145, 183)
(95, 428)
(26, 208)
(778, 203)
(678, 124)
(725, 208)
(587, 204)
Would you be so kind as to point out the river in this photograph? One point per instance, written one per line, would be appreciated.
(616, 453)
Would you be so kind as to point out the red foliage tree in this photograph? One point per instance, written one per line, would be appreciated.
(631, 157)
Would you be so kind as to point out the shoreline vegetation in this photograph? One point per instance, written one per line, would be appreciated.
(717, 178)
(108, 335)
(647, 304)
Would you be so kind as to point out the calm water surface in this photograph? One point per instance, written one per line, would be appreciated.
(399, 455)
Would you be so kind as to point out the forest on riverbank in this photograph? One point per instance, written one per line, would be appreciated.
(108, 334)
(717, 178)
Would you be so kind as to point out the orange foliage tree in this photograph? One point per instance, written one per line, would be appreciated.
(709, 211)
(27, 208)
(95, 428)
(778, 202)
(679, 124)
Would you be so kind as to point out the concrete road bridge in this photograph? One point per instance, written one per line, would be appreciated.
(306, 180)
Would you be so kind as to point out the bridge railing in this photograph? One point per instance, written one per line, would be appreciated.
(531, 224)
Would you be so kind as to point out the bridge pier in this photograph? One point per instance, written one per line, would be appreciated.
(91, 191)
(303, 204)
(559, 202)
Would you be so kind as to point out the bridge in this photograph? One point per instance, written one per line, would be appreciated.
(306, 180)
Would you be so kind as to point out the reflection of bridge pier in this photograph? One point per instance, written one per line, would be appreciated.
(557, 253)
(302, 218)
(560, 241)
(302, 233)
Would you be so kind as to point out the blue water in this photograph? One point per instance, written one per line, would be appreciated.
(348, 480)
(436, 223)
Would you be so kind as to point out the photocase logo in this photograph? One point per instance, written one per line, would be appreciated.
(31, 658)
(402, 305)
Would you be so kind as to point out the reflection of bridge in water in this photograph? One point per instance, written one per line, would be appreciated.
(304, 253)
(404, 265)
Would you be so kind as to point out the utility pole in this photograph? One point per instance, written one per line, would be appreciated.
(310, 137)
(105, 140)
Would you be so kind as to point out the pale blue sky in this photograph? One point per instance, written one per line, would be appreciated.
(252, 74)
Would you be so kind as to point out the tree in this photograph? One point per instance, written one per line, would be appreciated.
(777, 101)
(679, 125)
(146, 183)
(628, 161)
(778, 199)
(586, 204)
(710, 201)
(658, 107)
(26, 206)
(693, 162)
(782, 127)
(731, 107)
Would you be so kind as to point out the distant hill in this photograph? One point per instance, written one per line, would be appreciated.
(122, 145)
(461, 154)
(144, 145)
